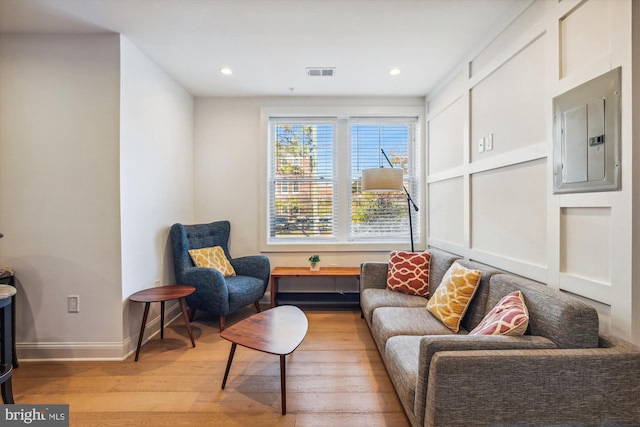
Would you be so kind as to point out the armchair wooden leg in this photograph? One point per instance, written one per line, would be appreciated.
(257, 304)
(222, 323)
(191, 312)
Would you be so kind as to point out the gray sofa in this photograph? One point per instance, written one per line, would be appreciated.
(562, 372)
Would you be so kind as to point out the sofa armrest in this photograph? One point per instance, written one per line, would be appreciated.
(597, 386)
(373, 275)
(431, 345)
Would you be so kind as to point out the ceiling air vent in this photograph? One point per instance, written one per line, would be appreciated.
(321, 71)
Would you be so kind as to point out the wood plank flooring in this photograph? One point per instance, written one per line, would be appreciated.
(335, 378)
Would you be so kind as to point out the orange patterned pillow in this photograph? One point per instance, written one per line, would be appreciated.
(409, 272)
(450, 301)
(509, 317)
(212, 258)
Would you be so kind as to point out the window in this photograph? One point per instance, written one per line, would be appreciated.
(314, 181)
(382, 216)
(307, 175)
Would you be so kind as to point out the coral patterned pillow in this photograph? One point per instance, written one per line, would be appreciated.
(509, 317)
(450, 301)
(409, 272)
(212, 258)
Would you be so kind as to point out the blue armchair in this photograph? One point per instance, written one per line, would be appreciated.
(215, 293)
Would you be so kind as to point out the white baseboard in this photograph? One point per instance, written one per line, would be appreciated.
(88, 351)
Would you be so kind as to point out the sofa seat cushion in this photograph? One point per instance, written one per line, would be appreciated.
(388, 322)
(372, 298)
(402, 355)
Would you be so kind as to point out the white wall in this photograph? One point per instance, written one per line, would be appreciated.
(229, 169)
(156, 177)
(96, 155)
(59, 190)
(580, 243)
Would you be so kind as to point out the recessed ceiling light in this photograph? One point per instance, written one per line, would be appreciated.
(394, 71)
(226, 71)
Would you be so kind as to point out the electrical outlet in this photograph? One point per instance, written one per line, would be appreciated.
(157, 283)
(73, 303)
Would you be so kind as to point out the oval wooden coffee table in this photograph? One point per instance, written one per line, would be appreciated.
(279, 330)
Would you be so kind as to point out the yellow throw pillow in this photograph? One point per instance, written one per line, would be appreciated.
(212, 258)
(450, 301)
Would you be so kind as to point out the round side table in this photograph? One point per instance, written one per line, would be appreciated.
(162, 294)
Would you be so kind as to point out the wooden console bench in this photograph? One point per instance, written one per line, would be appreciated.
(324, 272)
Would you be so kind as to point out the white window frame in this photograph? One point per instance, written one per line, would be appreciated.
(342, 176)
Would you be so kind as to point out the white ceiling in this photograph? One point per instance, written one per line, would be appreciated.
(269, 43)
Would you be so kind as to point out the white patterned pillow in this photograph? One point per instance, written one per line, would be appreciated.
(212, 258)
(509, 317)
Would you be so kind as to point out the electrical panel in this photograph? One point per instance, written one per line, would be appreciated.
(586, 136)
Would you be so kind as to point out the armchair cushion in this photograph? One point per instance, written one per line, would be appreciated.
(252, 265)
(212, 258)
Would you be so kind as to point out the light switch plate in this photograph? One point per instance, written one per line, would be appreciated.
(481, 145)
(488, 143)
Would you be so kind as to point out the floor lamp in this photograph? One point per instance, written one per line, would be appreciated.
(388, 179)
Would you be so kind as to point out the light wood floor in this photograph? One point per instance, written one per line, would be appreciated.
(335, 378)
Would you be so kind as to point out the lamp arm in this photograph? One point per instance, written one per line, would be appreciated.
(385, 156)
(409, 199)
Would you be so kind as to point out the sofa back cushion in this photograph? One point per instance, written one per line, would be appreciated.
(438, 266)
(478, 307)
(563, 319)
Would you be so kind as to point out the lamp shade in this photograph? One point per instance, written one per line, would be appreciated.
(382, 179)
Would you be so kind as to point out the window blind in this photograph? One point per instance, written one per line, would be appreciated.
(302, 188)
(382, 215)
